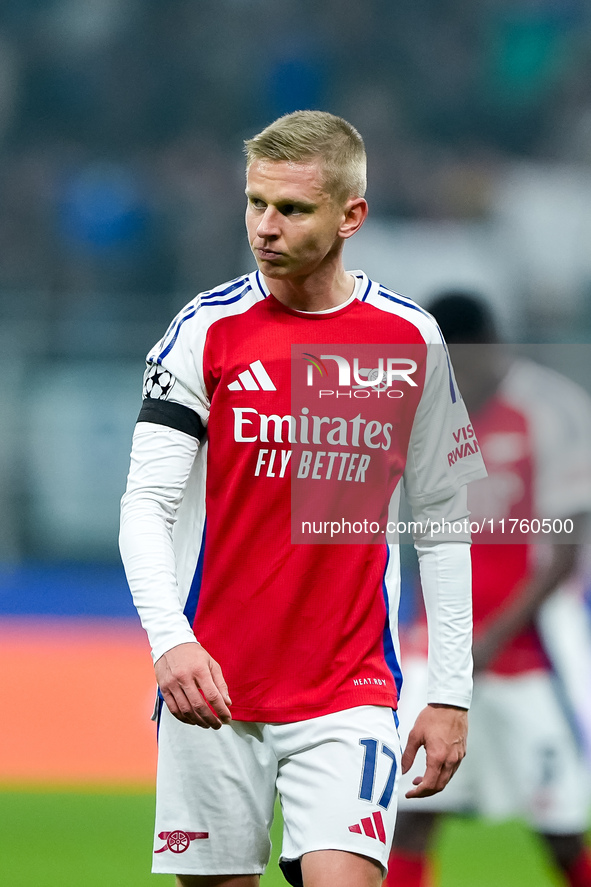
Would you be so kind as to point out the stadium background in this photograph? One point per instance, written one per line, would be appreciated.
(121, 178)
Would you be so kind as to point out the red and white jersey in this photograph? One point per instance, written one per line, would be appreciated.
(535, 435)
(300, 630)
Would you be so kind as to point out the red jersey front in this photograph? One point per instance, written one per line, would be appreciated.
(303, 629)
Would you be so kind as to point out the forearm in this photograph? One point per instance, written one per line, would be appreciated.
(442, 727)
(446, 582)
(161, 462)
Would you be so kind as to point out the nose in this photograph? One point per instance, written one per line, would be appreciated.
(268, 223)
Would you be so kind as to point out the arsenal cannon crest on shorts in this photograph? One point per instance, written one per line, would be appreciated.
(178, 841)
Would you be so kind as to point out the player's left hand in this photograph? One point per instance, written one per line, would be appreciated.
(442, 729)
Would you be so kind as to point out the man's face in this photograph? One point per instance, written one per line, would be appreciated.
(292, 222)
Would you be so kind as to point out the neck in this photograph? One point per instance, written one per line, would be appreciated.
(314, 292)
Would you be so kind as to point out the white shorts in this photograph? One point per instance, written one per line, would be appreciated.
(336, 777)
(523, 759)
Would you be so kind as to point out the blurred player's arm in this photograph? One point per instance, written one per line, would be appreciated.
(161, 462)
(442, 726)
(522, 607)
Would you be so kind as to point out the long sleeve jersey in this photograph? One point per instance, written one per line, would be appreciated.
(261, 424)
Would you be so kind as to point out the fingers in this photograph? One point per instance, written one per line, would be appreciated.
(442, 731)
(214, 695)
(193, 686)
(218, 679)
(188, 712)
(410, 752)
(433, 781)
(440, 769)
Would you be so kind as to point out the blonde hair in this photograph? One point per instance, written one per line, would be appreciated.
(307, 135)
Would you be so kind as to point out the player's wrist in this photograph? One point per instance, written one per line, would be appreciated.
(446, 705)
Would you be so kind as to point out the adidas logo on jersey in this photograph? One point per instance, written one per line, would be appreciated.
(368, 827)
(257, 380)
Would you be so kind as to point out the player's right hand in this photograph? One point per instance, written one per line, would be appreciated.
(193, 686)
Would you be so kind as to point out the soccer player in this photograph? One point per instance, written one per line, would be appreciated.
(534, 430)
(256, 397)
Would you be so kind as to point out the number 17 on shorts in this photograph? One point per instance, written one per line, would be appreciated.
(341, 792)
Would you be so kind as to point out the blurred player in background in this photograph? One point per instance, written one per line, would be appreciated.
(301, 637)
(524, 759)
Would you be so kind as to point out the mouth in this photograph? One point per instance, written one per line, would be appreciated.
(267, 255)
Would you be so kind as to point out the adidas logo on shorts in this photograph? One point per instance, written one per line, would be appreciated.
(367, 827)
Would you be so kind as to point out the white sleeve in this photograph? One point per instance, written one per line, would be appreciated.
(446, 580)
(161, 461)
(443, 453)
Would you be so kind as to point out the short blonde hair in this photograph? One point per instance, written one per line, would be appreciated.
(306, 135)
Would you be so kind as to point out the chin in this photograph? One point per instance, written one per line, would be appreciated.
(270, 270)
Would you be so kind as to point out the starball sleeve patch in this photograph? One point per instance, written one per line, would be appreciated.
(158, 382)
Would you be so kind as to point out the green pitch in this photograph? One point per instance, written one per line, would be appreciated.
(64, 839)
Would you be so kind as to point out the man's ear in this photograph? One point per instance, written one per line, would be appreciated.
(355, 214)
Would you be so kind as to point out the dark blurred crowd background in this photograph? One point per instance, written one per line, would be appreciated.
(121, 120)
(121, 180)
